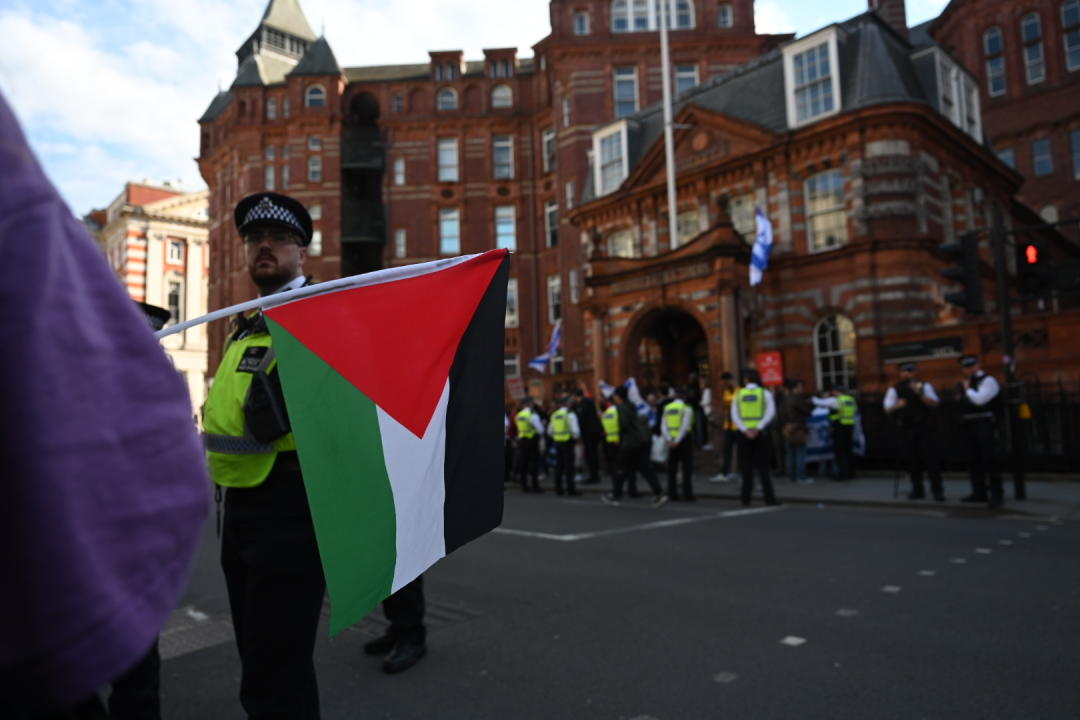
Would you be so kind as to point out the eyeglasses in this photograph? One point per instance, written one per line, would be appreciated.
(277, 238)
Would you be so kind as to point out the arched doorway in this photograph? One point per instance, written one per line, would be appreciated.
(666, 346)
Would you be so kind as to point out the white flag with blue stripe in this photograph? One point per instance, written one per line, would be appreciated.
(606, 390)
(540, 362)
(759, 258)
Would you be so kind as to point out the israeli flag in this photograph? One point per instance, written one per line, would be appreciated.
(540, 362)
(633, 394)
(606, 390)
(759, 258)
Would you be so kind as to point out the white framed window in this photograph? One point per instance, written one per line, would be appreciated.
(399, 171)
(834, 352)
(511, 365)
(449, 231)
(506, 227)
(1007, 156)
(271, 109)
(994, 51)
(547, 143)
(573, 280)
(446, 99)
(502, 96)
(397, 103)
(314, 169)
(511, 303)
(725, 18)
(551, 223)
(642, 15)
(1042, 162)
(581, 23)
(620, 16)
(285, 107)
(609, 147)
(567, 112)
(314, 143)
(315, 97)
(502, 153)
(741, 212)
(826, 221)
(1074, 138)
(271, 153)
(569, 194)
(285, 176)
(1070, 28)
(1031, 35)
(315, 211)
(686, 77)
(175, 300)
(315, 248)
(686, 225)
(554, 298)
(621, 244)
(625, 91)
(269, 178)
(811, 79)
(176, 251)
(400, 243)
(448, 159)
(684, 14)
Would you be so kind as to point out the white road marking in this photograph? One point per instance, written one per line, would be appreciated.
(1025, 534)
(792, 641)
(928, 573)
(958, 561)
(1005, 542)
(983, 551)
(671, 522)
(891, 589)
(196, 615)
(847, 612)
(725, 677)
(1042, 528)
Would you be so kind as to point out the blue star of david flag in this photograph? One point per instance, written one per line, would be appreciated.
(759, 258)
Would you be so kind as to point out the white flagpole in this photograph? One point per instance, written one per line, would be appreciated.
(669, 135)
(353, 281)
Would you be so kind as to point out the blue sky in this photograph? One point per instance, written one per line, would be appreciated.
(110, 91)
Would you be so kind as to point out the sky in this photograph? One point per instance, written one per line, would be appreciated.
(111, 90)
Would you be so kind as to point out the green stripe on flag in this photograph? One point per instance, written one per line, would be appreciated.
(348, 487)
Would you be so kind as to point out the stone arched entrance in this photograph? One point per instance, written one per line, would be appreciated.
(666, 345)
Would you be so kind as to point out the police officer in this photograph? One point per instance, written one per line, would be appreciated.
(634, 437)
(564, 430)
(676, 426)
(982, 405)
(610, 420)
(844, 409)
(268, 552)
(913, 404)
(529, 430)
(751, 412)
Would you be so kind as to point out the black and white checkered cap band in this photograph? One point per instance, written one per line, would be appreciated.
(267, 210)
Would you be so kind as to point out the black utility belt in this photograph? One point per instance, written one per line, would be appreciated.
(979, 416)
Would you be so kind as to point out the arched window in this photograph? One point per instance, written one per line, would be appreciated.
(446, 99)
(684, 15)
(1070, 27)
(315, 97)
(502, 96)
(834, 352)
(994, 50)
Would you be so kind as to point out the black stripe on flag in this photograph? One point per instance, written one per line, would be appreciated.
(474, 422)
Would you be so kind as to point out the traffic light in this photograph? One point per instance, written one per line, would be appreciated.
(967, 272)
(1034, 271)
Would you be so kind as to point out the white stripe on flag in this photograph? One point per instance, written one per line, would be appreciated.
(416, 467)
(759, 258)
(540, 362)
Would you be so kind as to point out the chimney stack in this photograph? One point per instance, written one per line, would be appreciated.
(892, 12)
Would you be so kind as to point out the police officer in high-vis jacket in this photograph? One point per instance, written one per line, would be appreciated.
(565, 430)
(751, 412)
(843, 411)
(530, 429)
(268, 552)
(610, 420)
(676, 424)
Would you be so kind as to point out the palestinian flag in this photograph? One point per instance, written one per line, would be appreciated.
(394, 386)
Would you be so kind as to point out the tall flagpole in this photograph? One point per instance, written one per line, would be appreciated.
(669, 134)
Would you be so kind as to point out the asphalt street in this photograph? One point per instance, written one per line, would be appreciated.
(574, 609)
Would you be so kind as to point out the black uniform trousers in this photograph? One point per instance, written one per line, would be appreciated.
(682, 455)
(843, 437)
(405, 612)
(276, 586)
(508, 460)
(633, 460)
(611, 459)
(921, 449)
(982, 452)
(591, 445)
(755, 454)
(731, 439)
(564, 466)
(528, 461)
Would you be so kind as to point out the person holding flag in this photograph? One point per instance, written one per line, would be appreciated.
(269, 555)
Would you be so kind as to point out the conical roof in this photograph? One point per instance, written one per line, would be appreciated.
(286, 16)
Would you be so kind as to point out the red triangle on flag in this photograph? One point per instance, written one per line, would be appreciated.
(395, 341)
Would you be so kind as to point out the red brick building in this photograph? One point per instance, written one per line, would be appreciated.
(1026, 57)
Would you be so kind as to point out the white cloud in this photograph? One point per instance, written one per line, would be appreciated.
(771, 18)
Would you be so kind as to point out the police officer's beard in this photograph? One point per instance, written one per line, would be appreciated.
(269, 278)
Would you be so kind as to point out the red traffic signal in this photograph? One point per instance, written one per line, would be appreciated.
(1031, 254)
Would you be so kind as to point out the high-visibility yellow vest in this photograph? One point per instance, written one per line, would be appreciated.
(610, 421)
(236, 459)
(524, 424)
(560, 425)
(673, 417)
(846, 414)
(751, 406)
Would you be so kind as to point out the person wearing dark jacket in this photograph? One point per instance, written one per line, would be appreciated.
(634, 438)
(795, 411)
(913, 403)
(592, 432)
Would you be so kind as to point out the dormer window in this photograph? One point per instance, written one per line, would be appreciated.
(315, 97)
(581, 23)
(643, 15)
(446, 99)
(811, 78)
(610, 153)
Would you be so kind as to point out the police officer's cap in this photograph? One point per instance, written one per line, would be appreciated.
(275, 210)
(750, 375)
(907, 367)
(969, 361)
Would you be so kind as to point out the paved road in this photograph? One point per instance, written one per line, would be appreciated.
(578, 610)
